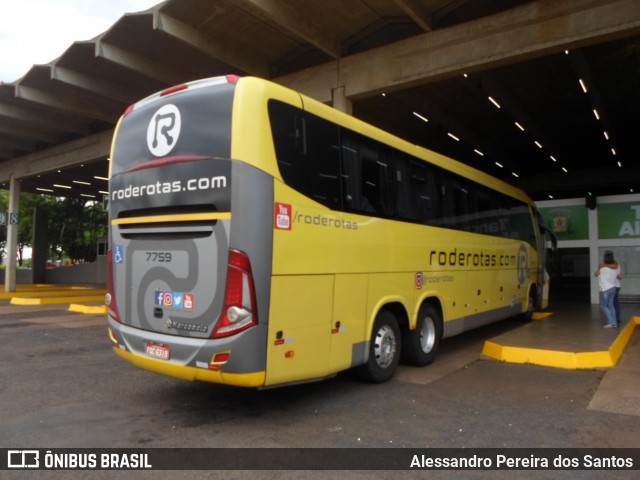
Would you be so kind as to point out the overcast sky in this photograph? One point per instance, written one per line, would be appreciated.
(39, 31)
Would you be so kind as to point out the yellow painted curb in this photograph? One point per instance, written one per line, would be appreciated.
(568, 360)
(53, 293)
(55, 300)
(88, 309)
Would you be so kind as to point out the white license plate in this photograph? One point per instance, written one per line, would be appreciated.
(157, 350)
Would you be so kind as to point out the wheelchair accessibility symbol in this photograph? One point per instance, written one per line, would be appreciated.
(118, 255)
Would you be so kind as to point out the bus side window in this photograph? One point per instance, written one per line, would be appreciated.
(307, 153)
(417, 195)
(367, 175)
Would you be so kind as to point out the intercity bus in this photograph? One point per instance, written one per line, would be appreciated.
(261, 238)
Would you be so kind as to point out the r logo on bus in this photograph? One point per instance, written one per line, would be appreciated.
(163, 130)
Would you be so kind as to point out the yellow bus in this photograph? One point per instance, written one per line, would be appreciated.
(261, 238)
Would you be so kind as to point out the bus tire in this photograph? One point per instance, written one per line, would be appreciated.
(527, 315)
(384, 349)
(420, 346)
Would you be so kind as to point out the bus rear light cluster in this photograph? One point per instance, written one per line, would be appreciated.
(239, 311)
(110, 299)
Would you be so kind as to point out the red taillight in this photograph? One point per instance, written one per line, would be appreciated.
(110, 298)
(129, 109)
(233, 79)
(239, 311)
(175, 89)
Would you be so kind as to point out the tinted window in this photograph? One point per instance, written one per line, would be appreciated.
(307, 152)
(367, 175)
(205, 118)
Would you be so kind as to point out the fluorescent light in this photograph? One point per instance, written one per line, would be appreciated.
(519, 126)
(565, 170)
(620, 164)
(606, 135)
(595, 112)
(538, 144)
(44, 190)
(101, 178)
(494, 102)
(88, 196)
(478, 152)
(566, 52)
(453, 136)
(424, 119)
(384, 94)
(584, 87)
(613, 150)
(515, 174)
(465, 75)
(80, 182)
(551, 197)
(553, 158)
(62, 186)
(500, 165)
(103, 192)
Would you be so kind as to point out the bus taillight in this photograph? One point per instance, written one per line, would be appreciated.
(110, 299)
(239, 311)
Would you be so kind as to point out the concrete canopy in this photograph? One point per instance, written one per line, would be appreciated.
(382, 60)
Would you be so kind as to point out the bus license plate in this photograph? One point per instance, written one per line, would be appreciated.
(156, 350)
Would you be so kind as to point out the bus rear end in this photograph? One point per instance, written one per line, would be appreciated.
(184, 287)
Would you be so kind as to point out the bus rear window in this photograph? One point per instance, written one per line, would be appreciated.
(191, 122)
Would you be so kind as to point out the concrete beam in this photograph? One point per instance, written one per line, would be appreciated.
(291, 20)
(136, 63)
(533, 30)
(217, 48)
(64, 155)
(417, 12)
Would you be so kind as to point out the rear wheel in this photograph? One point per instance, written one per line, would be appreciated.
(420, 346)
(384, 349)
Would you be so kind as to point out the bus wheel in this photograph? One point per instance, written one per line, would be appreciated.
(419, 346)
(384, 350)
(527, 315)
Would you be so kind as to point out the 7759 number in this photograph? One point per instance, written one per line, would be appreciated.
(162, 257)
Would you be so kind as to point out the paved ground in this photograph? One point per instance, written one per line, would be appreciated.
(61, 386)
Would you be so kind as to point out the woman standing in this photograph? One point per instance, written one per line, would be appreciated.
(608, 280)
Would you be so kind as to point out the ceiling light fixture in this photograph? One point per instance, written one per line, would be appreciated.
(424, 119)
(565, 170)
(494, 102)
(478, 152)
(553, 158)
(62, 186)
(606, 135)
(515, 174)
(538, 144)
(520, 126)
(101, 178)
(613, 150)
(80, 182)
(595, 112)
(584, 87)
(453, 136)
(620, 164)
(44, 190)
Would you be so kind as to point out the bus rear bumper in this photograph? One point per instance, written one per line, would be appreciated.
(188, 359)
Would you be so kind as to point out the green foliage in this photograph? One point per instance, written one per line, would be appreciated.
(74, 226)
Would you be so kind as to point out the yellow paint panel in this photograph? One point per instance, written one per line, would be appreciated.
(299, 328)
